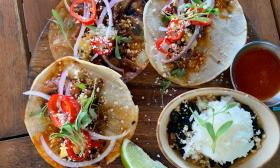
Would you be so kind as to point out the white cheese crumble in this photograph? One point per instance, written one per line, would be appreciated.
(233, 144)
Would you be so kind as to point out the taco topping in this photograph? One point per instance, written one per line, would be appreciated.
(74, 117)
(75, 11)
(184, 20)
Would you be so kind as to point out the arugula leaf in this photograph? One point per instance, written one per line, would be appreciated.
(59, 21)
(214, 11)
(82, 121)
(82, 86)
(164, 85)
(91, 98)
(119, 40)
(224, 128)
(179, 72)
(197, 1)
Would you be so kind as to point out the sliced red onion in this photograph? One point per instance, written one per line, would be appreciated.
(168, 4)
(66, 5)
(94, 57)
(37, 93)
(96, 136)
(82, 31)
(209, 4)
(76, 164)
(68, 89)
(109, 11)
(180, 3)
(111, 65)
(186, 48)
(163, 29)
(61, 82)
(104, 11)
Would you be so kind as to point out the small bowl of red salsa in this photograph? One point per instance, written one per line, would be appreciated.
(256, 71)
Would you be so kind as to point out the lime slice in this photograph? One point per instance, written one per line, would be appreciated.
(134, 157)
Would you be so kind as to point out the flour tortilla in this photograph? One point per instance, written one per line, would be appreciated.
(226, 36)
(60, 47)
(118, 106)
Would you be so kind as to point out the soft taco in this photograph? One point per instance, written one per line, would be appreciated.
(191, 42)
(101, 32)
(79, 113)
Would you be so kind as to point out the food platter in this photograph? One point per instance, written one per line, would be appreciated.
(145, 90)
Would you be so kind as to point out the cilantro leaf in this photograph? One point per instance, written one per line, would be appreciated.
(82, 86)
(119, 40)
(179, 72)
(164, 85)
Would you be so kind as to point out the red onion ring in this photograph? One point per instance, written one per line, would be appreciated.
(181, 2)
(111, 65)
(163, 29)
(37, 93)
(186, 48)
(68, 89)
(61, 82)
(82, 31)
(110, 14)
(76, 164)
(209, 4)
(96, 136)
(168, 4)
(104, 11)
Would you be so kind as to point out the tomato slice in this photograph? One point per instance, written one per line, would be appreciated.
(201, 21)
(90, 144)
(159, 44)
(175, 29)
(69, 107)
(101, 46)
(76, 15)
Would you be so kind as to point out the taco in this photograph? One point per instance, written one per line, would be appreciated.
(79, 113)
(192, 42)
(101, 32)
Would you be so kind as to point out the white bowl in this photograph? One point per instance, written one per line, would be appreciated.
(267, 119)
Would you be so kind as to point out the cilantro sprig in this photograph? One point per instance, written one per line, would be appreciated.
(86, 115)
(119, 40)
(59, 21)
(179, 72)
(215, 135)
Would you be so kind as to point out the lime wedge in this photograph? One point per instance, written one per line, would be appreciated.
(134, 157)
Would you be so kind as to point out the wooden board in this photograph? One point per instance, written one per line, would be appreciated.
(276, 9)
(13, 80)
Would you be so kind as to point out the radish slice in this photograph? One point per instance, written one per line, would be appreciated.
(66, 5)
(82, 31)
(76, 164)
(61, 82)
(37, 93)
(109, 11)
(104, 11)
(111, 65)
(186, 48)
(96, 136)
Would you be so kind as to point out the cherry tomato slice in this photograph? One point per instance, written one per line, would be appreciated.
(69, 106)
(101, 46)
(76, 15)
(90, 144)
(175, 29)
(159, 44)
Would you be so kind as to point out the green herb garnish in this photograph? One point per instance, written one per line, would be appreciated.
(93, 28)
(209, 126)
(59, 21)
(85, 117)
(41, 112)
(179, 72)
(164, 85)
(82, 86)
(119, 40)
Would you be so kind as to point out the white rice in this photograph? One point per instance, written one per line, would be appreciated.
(233, 144)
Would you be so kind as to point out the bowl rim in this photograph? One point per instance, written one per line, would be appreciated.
(226, 90)
(244, 48)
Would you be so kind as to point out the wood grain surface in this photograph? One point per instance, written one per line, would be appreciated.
(276, 9)
(20, 152)
(13, 69)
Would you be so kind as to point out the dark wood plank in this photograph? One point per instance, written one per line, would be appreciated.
(13, 70)
(36, 14)
(261, 14)
(276, 9)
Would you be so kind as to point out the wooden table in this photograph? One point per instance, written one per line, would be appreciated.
(21, 22)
